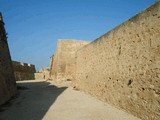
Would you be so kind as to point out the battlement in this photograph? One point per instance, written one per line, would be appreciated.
(23, 71)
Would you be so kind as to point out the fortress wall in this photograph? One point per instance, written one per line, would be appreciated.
(122, 67)
(23, 71)
(51, 66)
(42, 74)
(7, 80)
(63, 66)
(39, 76)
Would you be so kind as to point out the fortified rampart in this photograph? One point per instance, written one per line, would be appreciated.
(64, 62)
(122, 67)
(7, 80)
(23, 71)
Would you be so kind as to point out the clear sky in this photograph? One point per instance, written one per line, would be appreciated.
(34, 26)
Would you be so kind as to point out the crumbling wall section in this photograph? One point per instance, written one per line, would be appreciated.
(122, 67)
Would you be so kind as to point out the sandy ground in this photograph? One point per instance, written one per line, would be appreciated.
(41, 100)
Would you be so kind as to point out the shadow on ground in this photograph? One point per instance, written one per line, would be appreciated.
(33, 101)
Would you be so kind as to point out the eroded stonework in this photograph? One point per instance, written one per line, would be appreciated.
(122, 67)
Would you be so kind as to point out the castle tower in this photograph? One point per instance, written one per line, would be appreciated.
(7, 79)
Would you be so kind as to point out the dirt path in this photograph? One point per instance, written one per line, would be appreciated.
(40, 100)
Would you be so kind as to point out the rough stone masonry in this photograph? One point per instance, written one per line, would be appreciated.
(7, 80)
(122, 67)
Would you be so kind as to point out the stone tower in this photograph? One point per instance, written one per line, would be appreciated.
(7, 79)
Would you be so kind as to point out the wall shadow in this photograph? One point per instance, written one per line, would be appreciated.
(33, 101)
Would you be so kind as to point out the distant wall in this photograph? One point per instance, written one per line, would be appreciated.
(23, 71)
(122, 67)
(63, 66)
(39, 76)
(7, 80)
(42, 74)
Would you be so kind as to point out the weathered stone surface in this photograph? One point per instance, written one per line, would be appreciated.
(64, 62)
(23, 71)
(7, 80)
(122, 67)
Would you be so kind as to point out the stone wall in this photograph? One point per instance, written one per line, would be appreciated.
(7, 80)
(51, 65)
(63, 66)
(39, 76)
(23, 71)
(122, 67)
(42, 74)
